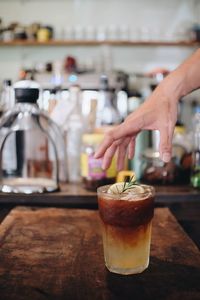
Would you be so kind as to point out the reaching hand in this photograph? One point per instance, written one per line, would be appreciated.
(159, 112)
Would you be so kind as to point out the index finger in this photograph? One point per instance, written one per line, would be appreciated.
(108, 140)
(114, 136)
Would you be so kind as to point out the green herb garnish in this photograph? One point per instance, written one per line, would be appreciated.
(128, 184)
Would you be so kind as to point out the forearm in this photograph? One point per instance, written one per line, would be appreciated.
(184, 79)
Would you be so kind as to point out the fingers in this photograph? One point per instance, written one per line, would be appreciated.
(166, 124)
(123, 130)
(108, 156)
(131, 148)
(107, 142)
(166, 135)
(122, 150)
(121, 147)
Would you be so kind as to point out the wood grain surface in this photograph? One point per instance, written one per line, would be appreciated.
(54, 253)
(85, 43)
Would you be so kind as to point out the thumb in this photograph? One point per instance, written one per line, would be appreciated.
(165, 147)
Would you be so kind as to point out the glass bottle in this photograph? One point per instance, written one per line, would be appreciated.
(7, 96)
(195, 177)
(92, 173)
(32, 134)
(121, 94)
(107, 114)
(74, 135)
(142, 138)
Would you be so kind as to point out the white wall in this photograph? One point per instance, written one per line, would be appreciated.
(159, 17)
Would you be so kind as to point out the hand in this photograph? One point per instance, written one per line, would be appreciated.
(159, 112)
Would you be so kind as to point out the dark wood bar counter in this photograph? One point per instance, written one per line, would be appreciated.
(56, 253)
(75, 195)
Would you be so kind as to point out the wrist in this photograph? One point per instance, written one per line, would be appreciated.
(173, 86)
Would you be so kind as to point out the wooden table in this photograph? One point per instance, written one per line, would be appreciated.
(54, 253)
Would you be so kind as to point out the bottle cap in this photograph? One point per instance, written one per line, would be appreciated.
(179, 129)
(7, 82)
(92, 138)
(26, 91)
(26, 95)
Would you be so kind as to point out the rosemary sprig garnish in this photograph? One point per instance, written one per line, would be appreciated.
(128, 184)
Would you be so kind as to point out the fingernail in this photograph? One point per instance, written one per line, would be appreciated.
(166, 157)
(96, 154)
(103, 166)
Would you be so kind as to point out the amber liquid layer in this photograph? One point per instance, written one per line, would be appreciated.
(126, 249)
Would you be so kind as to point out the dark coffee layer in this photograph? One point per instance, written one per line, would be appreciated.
(125, 212)
(129, 236)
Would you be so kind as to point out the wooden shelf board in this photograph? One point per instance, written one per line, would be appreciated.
(98, 43)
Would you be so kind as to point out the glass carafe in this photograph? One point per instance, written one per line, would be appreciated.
(32, 164)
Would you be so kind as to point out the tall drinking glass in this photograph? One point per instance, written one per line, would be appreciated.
(126, 227)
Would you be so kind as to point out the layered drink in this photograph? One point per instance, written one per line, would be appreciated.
(126, 224)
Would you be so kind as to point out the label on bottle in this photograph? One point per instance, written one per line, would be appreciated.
(112, 170)
(84, 165)
(91, 167)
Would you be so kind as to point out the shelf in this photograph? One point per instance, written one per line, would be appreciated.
(98, 43)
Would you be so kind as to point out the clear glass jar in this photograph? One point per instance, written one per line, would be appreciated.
(92, 173)
(155, 171)
(32, 165)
